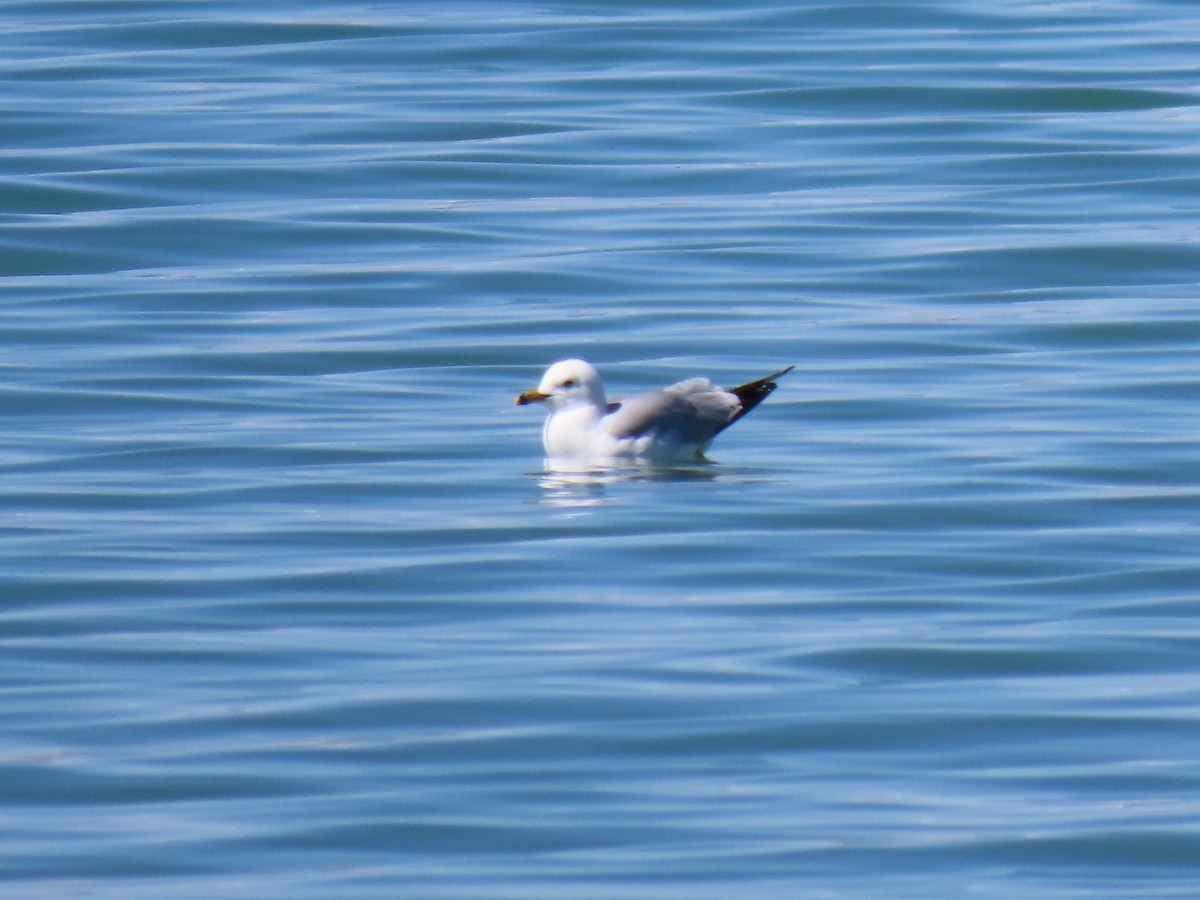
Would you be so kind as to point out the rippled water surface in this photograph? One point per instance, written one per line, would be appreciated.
(291, 605)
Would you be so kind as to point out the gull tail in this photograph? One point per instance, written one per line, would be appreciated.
(753, 393)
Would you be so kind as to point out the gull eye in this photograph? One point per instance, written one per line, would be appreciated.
(569, 383)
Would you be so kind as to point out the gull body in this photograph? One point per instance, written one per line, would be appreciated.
(676, 423)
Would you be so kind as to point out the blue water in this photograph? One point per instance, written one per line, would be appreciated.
(291, 606)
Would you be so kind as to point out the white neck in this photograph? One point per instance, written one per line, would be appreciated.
(567, 430)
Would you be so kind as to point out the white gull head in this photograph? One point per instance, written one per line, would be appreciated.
(573, 391)
(568, 384)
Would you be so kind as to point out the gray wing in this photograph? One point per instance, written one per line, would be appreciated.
(694, 409)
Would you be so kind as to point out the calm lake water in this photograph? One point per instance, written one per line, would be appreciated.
(290, 606)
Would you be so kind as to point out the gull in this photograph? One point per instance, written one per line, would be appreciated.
(676, 423)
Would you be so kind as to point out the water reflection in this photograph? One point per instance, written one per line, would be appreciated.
(575, 485)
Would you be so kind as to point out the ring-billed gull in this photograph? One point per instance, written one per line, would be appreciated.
(675, 423)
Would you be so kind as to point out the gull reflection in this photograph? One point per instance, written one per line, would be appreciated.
(575, 485)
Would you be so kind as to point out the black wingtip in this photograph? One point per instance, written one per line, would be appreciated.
(753, 393)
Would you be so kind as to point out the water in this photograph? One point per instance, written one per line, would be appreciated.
(291, 607)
